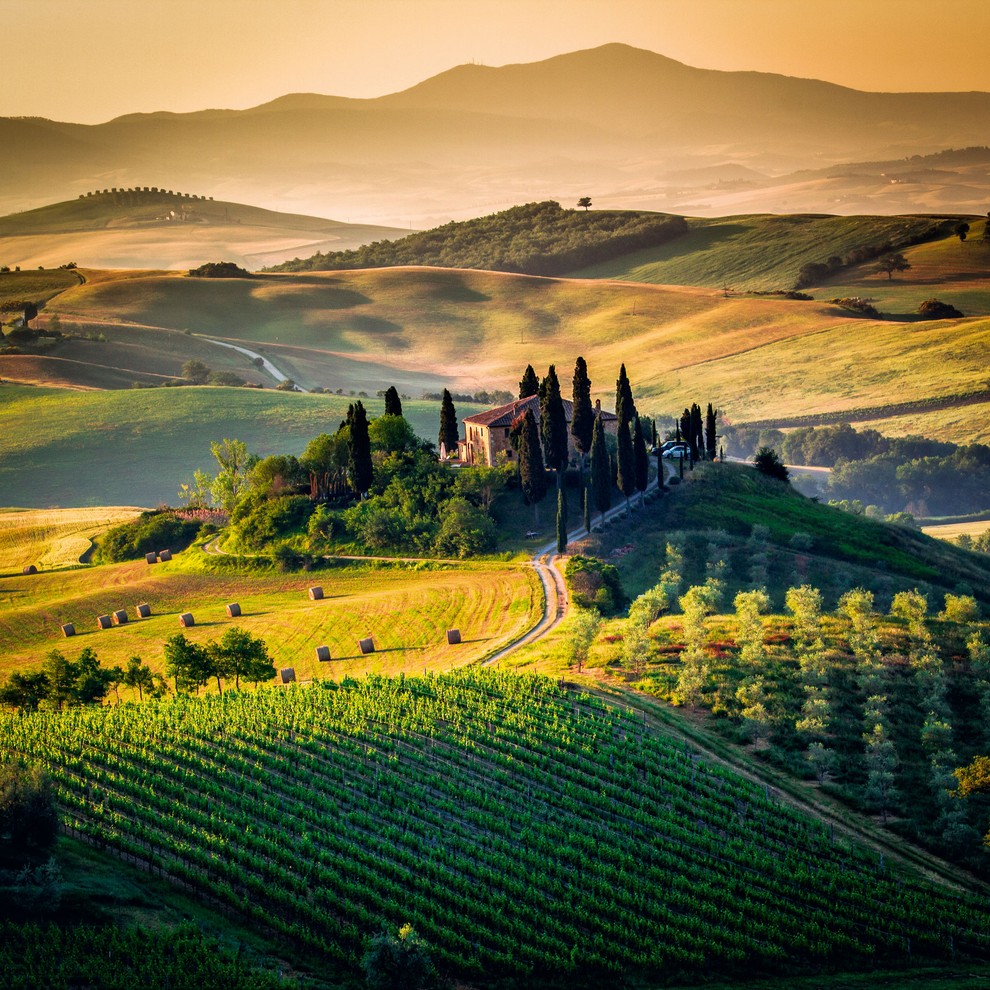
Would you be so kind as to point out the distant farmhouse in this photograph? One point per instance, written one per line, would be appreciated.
(486, 434)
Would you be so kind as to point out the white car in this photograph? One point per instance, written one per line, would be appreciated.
(679, 450)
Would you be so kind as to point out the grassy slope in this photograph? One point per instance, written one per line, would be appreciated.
(404, 608)
(846, 550)
(95, 232)
(757, 252)
(97, 448)
(53, 538)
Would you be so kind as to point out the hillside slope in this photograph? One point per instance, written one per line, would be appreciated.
(603, 849)
(135, 228)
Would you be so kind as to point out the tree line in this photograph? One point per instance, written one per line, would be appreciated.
(535, 239)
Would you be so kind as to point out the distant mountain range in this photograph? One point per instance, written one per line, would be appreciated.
(628, 127)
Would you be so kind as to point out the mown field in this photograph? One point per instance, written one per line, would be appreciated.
(527, 833)
(406, 608)
(73, 448)
(53, 538)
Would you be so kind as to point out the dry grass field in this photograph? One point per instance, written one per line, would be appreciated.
(53, 539)
(403, 607)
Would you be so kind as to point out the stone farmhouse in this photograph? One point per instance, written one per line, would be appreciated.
(486, 434)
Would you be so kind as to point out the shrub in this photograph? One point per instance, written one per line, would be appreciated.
(260, 521)
(594, 584)
(219, 269)
(150, 532)
(935, 309)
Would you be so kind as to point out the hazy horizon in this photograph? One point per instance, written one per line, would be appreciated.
(180, 55)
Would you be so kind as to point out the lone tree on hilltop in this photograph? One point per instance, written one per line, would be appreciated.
(393, 405)
(448, 423)
(891, 263)
(530, 384)
(585, 201)
(582, 414)
(961, 229)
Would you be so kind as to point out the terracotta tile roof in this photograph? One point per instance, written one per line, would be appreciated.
(507, 414)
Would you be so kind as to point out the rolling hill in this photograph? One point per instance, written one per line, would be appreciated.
(141, 228)
(615, 122)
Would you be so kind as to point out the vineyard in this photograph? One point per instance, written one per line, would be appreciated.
(525, 831)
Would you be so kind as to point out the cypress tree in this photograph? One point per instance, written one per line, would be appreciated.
(697, 434)
(640, 456)
(359, 467)
(532, 474)
(448, 423)
(393, 406)
(582, 414)
(553, 424)
(530, 384)
(586, 505)
(711, 441)
(561, 521)
(624, 407)
(685, 427)
(625, 477)
(601, 471)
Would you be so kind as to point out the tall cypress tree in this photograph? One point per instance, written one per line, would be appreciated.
(553, 424)
(711, 436)
(582, 413)
(625, 477)
(624, 407)
(448, 423)
(601, 470)
(393, 405)
(640, 456)
(532, 474)
(697, 432)
(530, 384)
(685, 428)
(561, 521)
(586, 505)
(360, 471)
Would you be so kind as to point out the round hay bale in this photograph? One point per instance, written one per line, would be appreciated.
(323, 654)
(120, 616)
(367, 645)
(316, 593)
(143, 610)
(186, 620)
(287, 675)
(103, 622)
(151, 558)
(164, 554)
(233, 610)
(30, 569)
(68, 630)
(453, 637)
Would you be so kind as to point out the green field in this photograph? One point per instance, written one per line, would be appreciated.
(605, 849)
(136, 446)
(757, 252)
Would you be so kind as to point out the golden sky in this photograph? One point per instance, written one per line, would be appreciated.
(91, 60)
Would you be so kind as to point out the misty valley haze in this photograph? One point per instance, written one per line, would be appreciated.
(632, 128)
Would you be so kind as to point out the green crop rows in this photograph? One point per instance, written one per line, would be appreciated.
(521, 829)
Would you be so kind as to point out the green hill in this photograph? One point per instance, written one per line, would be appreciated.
(760, 252)
(143, 227)
(526, 832)
(536, 239)
(803, 541)
(136, 446)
